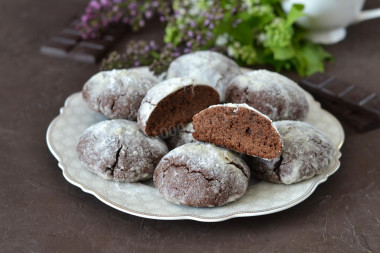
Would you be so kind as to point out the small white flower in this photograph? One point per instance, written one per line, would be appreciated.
(222, 40)
(231, 51)
(194, 11)
(262, 37)
(237, 44)
(276, 21)
(181, 11)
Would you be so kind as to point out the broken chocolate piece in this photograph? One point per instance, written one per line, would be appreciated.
(359, 107)
(343, 93)
(358, 120)
(68, 43)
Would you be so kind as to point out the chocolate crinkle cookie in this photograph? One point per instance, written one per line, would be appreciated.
(271, 93)
(238, 127)
(171, 104)
(118, 93)
(118, 150)
(206, 67)
(182, 137)
(306, 152)
(201, 175)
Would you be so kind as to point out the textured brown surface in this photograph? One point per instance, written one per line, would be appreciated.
(306, 152)
(270, 93)
(118, 93)
(41, 212)
(117, 150)
(201, 175)
(178, 108)
(238, 128)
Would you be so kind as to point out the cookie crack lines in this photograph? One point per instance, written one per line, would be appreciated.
(115, 101)
(185, 166)
(131, 85)
(99, 103)
(149, 102)
(113, 104)
(276, 169)
(240, 167)
(113, 166)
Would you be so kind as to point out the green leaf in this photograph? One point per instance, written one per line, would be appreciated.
(283, 53)
(310, 58)
(270, 1)
(243, 33)
(172, 35)
(294, 14)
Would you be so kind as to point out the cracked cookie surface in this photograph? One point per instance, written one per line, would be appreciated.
(272, 94)
(118, 93)
(201, 175)
(207, 67)
(118, 150)
(306, 152)
(182, 137)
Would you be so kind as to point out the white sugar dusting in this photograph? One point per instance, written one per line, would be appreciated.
(306, 151)
(275, 91)
(217, 160)
(236, 106)
(100, 143)
(129, 86)
(183, 136)
(208, 67)
(226, 168)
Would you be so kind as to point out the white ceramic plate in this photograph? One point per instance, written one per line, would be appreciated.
(142, 199)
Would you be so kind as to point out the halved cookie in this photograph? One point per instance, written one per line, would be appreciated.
(238, 127)
(172, 103)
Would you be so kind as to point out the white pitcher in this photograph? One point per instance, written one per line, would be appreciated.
(326, 20)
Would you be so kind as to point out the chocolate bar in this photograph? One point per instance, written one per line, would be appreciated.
(359, 107)
(68, 43)
(358, 120)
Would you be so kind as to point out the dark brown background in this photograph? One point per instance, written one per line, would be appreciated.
(41, 212)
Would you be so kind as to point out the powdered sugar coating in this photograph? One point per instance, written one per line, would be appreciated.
(118, 93)
(182, 137)
(159, 92)
(118, 150)
(271, 93)
(243, 106)
(306, 152)
(207, 67)
(202, 175)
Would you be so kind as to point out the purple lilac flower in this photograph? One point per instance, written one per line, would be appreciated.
(148, 14)
(99, 14)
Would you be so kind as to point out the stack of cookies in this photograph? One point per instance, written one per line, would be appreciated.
(203, 131)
